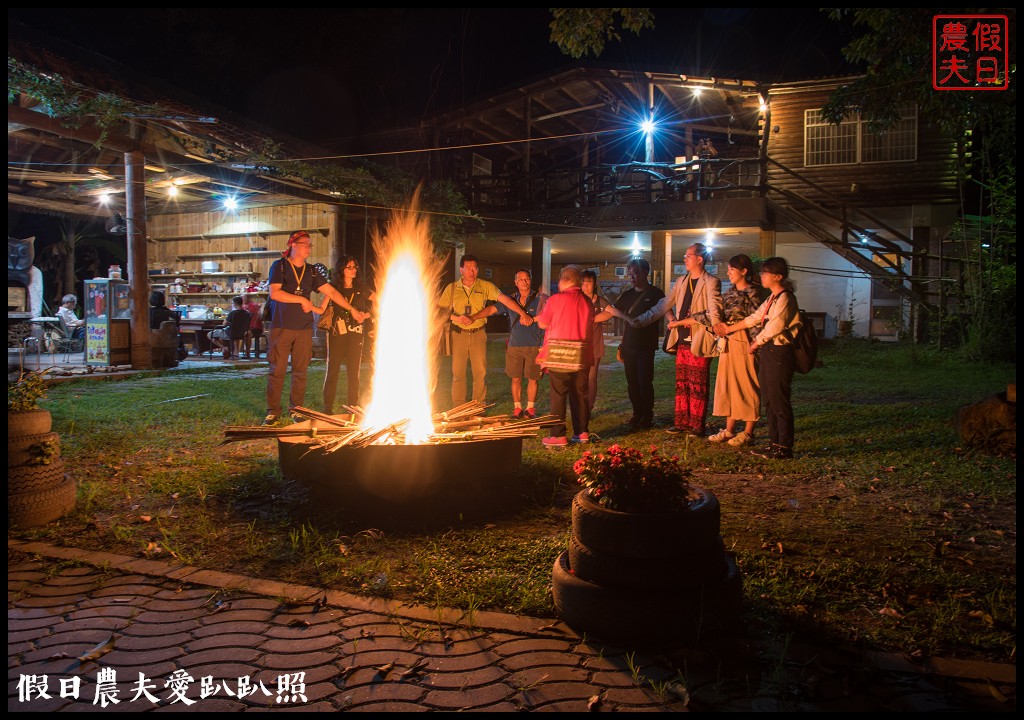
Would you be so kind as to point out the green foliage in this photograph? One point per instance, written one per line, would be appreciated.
(579, 31)
(25, 392)
(622, 479)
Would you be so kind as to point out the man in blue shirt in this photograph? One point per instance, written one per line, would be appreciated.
(292, 281)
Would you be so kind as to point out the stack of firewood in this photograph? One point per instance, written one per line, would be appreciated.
(460, 424)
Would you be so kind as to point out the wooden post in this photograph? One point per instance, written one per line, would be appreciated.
(138, 268)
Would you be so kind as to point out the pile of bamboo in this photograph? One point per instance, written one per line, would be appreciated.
(331, 432)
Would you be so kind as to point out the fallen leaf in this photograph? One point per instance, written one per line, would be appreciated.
(490, 526)
(385, 669)
(58, 656)
(891, 468)
(345, 672)
(99, 651)
(299, 623)
(363, 632)
(594, 703)
(320, 604)
(343, 549)
(779, 546)
(890, 613)
(174, 496)
(145, 518)
(552, 626)
(680, 691)
(995, 692)
(940, 547)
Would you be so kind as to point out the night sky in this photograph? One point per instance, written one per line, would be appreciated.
(328, 75)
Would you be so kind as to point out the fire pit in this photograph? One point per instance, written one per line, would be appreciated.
(408, 486)
(398, 464)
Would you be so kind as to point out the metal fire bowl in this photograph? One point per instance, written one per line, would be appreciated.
(408, 486)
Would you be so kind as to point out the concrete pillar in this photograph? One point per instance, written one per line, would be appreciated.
(540, 263)
(661, 260)
(766, 243)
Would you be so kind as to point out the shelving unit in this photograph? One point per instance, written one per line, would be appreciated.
(184, 298)
(251, 250)
(262, 234)
(244, 253)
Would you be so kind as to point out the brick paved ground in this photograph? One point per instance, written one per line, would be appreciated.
(244, 643)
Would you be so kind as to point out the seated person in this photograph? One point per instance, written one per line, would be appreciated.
(66, 312)
(158, 310)
(232, 334)
(159, 313)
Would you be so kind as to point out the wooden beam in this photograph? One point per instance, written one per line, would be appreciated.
(54, 206)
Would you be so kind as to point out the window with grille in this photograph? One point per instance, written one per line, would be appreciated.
(851, 142)
(481, 165)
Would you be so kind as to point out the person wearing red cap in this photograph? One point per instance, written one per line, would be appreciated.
(292, 282)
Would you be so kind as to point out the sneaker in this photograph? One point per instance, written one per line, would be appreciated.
(555, 442)
(581, 439)
(270, 419)
(673, 430)
(531, 413)
(517, 414)
(741, 438)
(723, 435)
(298, 419)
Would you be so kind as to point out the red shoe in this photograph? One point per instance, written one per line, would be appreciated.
(531, 413)
(517, 414)
(555, 442)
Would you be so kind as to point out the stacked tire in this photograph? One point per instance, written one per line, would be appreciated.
(38, 489)
(647, 580)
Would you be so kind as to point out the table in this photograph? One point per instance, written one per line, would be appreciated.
(200, 332)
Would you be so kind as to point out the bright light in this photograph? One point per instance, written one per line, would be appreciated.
(636, 246)
(709, 238)
(408, 328)
(172, 190)
(230, 203)
(104, 198)
(697, 91)
(648, 126)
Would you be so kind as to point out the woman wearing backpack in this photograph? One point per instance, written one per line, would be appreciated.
(777, 317)
(737, 392)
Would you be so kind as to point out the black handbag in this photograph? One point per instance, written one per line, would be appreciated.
(326, 320)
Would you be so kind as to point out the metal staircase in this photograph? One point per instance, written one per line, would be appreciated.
(880, 252)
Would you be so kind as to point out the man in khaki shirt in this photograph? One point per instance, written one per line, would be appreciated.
(466, 300)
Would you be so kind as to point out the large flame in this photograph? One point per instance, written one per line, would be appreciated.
(408, 326)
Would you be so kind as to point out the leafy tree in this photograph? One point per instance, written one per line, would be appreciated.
(898, 66)
(578, 31)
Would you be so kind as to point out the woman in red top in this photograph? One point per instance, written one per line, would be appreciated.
(255, 325)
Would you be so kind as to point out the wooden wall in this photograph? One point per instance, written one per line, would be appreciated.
(927, 180)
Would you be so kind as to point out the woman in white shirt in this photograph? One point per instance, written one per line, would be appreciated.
(776, 316)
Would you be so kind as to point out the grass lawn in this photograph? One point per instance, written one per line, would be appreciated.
(883, 532)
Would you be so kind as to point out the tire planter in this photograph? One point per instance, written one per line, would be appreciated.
(645, 618)
(29, 509)
(639, 535)
(28, 422)
(687, 570)
(24, 449)
(34, 478)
